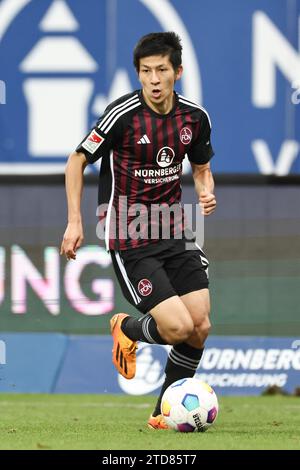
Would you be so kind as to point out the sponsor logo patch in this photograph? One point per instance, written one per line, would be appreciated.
(165, 157)
(92, 142)
(186, 135)
(145, 287)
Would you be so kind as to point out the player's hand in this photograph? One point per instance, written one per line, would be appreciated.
(73, 238)
(207, 202)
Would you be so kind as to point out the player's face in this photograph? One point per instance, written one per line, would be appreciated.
(158, 77)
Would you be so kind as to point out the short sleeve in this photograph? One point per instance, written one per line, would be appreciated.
(201, 150)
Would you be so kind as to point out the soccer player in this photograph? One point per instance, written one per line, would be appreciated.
(142, 139)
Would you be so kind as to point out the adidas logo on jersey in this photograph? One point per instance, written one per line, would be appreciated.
(144, 140)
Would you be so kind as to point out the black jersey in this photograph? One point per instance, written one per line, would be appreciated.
(142, 153)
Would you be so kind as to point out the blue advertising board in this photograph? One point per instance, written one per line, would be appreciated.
(63, 61)
(232, 365)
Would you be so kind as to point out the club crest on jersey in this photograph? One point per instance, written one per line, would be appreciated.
(145, 287)
(186, 135)
(92, 142)
(165, 157)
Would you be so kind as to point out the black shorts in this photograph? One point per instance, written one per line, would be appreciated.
(151, 274)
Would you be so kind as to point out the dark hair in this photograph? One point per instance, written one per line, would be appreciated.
(167, 43)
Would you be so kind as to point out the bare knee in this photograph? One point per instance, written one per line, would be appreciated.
(179, 332)
(200, 333)
(203, 328)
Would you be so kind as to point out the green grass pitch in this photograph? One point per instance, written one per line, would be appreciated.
(119, 422)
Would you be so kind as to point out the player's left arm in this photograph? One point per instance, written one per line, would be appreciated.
(204, 186)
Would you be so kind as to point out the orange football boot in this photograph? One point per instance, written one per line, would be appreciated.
(157, 422)
(124, 349)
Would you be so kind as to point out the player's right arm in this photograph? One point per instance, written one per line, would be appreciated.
(96, 144)
(73, 235)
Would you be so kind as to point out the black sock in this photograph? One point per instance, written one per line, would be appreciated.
(144, 329)
(182, 362)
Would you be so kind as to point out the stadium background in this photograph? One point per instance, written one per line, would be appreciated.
(61, 62)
